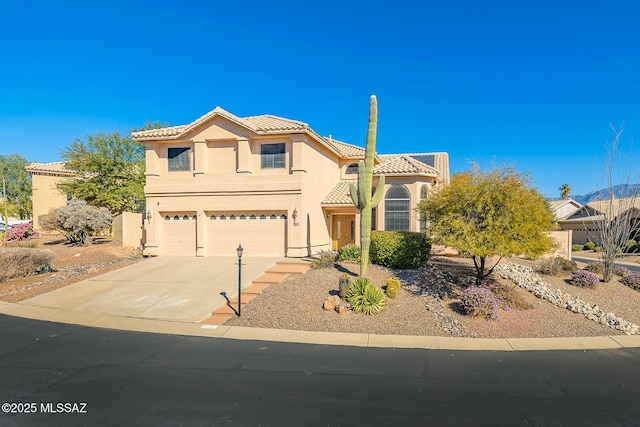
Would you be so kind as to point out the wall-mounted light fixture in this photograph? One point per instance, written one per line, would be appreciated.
(294, 215)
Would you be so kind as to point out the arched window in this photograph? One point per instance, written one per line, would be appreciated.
(424, 193)
(397, 209)
(352, 169)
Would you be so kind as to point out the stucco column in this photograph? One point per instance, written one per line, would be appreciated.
(243, 154)
(200, 232)
(199, 157)
(152, 228)
(152, 163)
(297, 150)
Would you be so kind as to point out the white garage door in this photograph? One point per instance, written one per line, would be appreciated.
(179, 234)
(260, 233)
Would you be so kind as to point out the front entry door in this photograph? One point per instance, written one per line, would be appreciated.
(343, 230)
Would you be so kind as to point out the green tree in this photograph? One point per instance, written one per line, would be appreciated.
(110, 171)
(18, 185)
(488, 214)
(565, 190)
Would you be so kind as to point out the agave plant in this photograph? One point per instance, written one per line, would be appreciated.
(366, 298)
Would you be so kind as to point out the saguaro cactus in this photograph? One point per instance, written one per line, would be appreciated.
(362, 195)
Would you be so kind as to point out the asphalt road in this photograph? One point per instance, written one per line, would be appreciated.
(630, 266)
(120, 378)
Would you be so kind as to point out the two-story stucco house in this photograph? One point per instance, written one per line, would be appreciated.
(272, 184)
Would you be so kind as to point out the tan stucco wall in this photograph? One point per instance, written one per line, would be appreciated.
(127, 229)
(45, 196)
(227, 176)
(563, 241)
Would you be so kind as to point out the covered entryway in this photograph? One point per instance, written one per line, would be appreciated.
(343, 230)
(260, 233)
(179, 233)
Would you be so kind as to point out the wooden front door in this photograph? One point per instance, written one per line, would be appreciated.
(343, 230)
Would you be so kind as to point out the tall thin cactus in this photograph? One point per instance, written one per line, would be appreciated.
(362, 195)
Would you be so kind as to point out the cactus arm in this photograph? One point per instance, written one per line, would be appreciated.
(362, 181)
(377, 196)
(353, 190)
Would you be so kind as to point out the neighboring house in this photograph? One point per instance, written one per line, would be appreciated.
(272, 184)
(45, 195)
(585, 222)
(564, 207)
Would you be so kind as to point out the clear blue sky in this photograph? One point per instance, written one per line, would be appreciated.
(535, 84)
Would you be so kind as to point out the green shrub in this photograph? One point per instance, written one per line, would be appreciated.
(553, 266)
(399, 249)
(597, 249)
(21, 262)
(350, 252)
(595, 267)
(393, 287)
(324, 259)
(576, 248)
(585, 279)
(630, 246)
(366, 298)
(589, 246)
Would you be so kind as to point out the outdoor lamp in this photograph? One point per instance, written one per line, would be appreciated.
(295, 214)
(239, 252)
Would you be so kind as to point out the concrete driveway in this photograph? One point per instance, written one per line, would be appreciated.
(164, 288)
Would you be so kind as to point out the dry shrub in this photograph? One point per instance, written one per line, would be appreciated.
(510, 298)
(21, 262)
(555, 266)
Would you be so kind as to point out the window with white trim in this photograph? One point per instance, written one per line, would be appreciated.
(397, 209)
(272, 156)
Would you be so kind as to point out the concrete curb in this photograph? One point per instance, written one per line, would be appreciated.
(307, 337)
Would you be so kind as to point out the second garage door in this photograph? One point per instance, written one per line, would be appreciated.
(260, 233)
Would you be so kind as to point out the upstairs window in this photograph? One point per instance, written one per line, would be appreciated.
(352, 169)
(179, 159)
(272, 156)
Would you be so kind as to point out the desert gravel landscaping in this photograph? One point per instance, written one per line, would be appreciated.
(427, 304)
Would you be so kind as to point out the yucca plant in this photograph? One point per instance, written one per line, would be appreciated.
(366, 298)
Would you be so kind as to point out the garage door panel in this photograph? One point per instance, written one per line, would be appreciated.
(179, 234)
(260, 233)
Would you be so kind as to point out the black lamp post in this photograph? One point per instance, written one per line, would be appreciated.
(239, 251)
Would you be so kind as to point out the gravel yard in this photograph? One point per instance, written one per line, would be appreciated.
(427, 305)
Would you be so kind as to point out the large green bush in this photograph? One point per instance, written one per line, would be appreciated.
(399, 249)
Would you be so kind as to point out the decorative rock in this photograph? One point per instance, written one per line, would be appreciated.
(334, 300)
(526, 278)
(328, 306)
(342, 308)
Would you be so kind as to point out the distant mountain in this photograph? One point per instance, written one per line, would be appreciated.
(619, 191)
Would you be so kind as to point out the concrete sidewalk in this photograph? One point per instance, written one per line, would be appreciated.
(183, 289)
